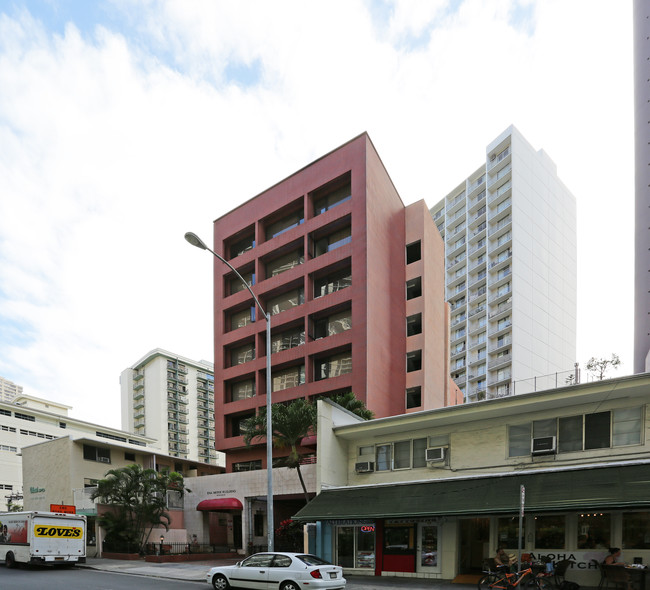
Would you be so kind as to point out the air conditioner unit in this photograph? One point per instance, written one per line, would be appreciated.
(104, 459)
(543, 445)
(435, 454)
(364, 467)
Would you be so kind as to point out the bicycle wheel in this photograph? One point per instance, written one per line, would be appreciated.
(542, 583)
(485, 583)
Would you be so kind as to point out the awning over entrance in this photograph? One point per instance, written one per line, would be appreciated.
(220, 504)
(581, 489)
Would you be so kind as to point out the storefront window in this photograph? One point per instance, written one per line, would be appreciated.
(549, 532)
(356, 546)
(508, 532)
(636, 530)
(429, 546)
(594, 531)
(399, 540)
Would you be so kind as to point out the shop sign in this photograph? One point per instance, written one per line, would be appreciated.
(351, 522)
(221, 492)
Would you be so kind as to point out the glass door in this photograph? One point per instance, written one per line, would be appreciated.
(428, 559)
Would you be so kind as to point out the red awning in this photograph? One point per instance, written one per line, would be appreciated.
(220, 504)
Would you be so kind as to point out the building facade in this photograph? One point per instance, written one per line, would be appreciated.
(28, 420)
(65, 470)
(433, 494)
(354, 284)
(170, 398)
(9, 390)
(510, 257)
(641, 184)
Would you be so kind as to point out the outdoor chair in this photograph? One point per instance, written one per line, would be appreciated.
(560, 571)
(603, 577)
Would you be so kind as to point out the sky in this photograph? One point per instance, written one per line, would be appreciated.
(125, 124)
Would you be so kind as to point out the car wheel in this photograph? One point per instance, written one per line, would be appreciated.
(289, 586)
(10, 560)
(220, 582)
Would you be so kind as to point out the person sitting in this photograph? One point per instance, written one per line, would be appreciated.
(613, 557)
(503, 559)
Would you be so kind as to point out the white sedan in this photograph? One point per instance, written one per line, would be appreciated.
(278, 571)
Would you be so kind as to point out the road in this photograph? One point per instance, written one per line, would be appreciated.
(85, 579)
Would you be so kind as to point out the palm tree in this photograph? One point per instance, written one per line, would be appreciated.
(291, 423)
(138, 499)
(349, 401)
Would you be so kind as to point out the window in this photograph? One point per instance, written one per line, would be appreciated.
(235, 285)
(627, 424)
(242, 318)
(480, 354)
(414, 288)
(100, 454)
(333, 241)
(333, 324)
(285, 224)
(129, 456)
(334, 366)
(356, 546)
(255, 465)
(237, 424)
(594, 530)
(284, 263)
(288, 339)
(413, 361)
(635, 530)
(504, 238)
(332, 199)
(550, 532)
(242, 245)
(508, 532)
(242, 390)
(519, 440)
(414, 324)
(332, 283)
(504, 272)
(110, 436)
(24, 417)
(597, 431)
(503, 289)
(242, 354)
(285, 301)
(413, 252)
(413, 397)
(383, 457)
(286, 378)
(402, 454)
(5, 412)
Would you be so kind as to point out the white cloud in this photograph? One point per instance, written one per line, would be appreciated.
(113, 144)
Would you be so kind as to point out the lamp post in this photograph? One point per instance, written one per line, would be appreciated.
(193, 239)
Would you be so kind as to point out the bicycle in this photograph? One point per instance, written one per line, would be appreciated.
(502, 579)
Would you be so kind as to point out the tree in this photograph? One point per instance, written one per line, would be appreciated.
(138, 498)
(351, 403)
(291, 423)
(599, 366)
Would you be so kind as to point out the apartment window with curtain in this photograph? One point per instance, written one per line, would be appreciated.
(242, 354)
(287, 378)
(242, 390)
(242, 318)
(242, 245)
(334, 366)
(332, 282)
(333, 324)
(235, 285)
(285, 224)
(287, 339)
(332, 199)
(333, 241)
(284, 263)
(286, 301)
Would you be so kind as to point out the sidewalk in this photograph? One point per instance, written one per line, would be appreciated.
(196, 571)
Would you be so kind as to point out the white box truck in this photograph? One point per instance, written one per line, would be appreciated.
(48, 538)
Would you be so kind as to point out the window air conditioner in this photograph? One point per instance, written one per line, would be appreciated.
(364, 467)
(104, 459)
(435, 454)
(543, 445)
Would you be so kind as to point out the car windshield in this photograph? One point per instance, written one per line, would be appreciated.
(312, 560)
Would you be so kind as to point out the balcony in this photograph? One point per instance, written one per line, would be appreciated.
(476, 327)
(501, 294)
(138, 404)
(455, 264)
(139, 374)
(454, 249)
(503, 156)
(476, 343)
(501, 259)
(477, 248)
(500, 328)
(475, 185)
(499, 380)
(138, 394)
(458, 305)
(500, 344)
(500, 227)
(451, 218)
(500, 361)
(500, 175)
(502, 308)
(138, 385)
(477, 310)
(478, 279)
(476, 201)
(478, 294)
(457, 351)
(455, 202)
(459, 320)
(478, 359)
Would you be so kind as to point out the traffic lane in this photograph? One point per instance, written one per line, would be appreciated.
(38, 578)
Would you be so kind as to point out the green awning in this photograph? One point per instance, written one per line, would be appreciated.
(579, 489)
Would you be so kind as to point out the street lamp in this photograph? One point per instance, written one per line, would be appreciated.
(193, 239)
